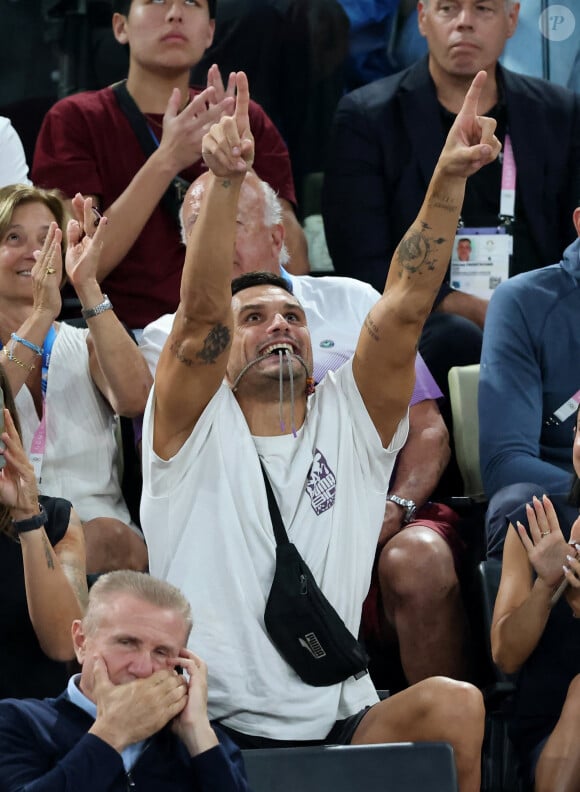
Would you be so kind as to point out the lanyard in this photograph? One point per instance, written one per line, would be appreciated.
(507, 201)
(508, 183)
(38, 444)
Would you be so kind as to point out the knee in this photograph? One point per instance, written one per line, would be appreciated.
(502, 503)
(111, 544)
(417, 563)
(457, 705)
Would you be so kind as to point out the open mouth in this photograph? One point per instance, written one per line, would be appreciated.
(277, 349)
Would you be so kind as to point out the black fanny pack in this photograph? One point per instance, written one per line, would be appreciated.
(303, 625)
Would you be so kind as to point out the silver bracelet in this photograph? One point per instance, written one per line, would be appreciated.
(106, 305)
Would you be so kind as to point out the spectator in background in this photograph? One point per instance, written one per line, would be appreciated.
(294, 53)
(42, 569)
(88, 143)
(13, 167)
(385, 143)
(529, 388)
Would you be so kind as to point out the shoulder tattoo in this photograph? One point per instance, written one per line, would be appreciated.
(214, 344)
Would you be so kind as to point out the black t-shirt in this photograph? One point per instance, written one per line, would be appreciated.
(482, 199)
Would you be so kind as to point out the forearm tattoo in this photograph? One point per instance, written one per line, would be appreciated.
(47, 552)
(441, 201)
(216, 342)
(417, 251)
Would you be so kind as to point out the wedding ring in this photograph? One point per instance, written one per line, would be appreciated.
(50, 270)
(545, 533)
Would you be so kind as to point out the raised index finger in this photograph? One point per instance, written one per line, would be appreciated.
(242, 102)
(471, 100)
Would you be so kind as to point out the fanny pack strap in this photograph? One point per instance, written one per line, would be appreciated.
(279, 530)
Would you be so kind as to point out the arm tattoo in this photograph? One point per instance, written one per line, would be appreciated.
(371, 328)
(417, 251)
(215, 343)
(47, 551)
(442, 201)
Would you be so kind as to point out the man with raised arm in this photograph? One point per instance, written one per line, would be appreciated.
(232, 390)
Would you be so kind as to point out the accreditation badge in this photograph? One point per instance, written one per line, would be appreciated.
(480, 260)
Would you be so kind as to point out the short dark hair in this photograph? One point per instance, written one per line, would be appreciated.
(123, 6)
(260, 278)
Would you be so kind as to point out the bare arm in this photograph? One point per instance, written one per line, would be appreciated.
(56, 586)
(117, 366)
(522, 607)
(420, 463)
(55, 579)
(417, 270)
(466, 305)
(194, 359)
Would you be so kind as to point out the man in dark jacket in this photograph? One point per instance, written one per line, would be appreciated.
(136, 715)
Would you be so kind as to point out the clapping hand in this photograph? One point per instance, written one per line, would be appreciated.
(18, 488)
(85, 234)
(47, 273)
(546, 547)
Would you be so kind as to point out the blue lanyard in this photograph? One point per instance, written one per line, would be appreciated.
(46, 353)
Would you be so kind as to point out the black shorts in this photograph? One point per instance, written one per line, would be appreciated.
(340, 734)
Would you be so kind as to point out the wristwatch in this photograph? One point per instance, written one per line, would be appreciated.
(106, 305)
(409, 506)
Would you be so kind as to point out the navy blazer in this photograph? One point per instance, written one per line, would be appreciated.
(44, 747)
(385, 142)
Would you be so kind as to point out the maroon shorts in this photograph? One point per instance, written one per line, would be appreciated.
(441, 519)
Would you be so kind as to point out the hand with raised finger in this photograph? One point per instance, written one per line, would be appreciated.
(228, 147)
(18, 488)
(47, 274)
(471, 142)
(546, 546)
(130, 712)
(192, 725)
